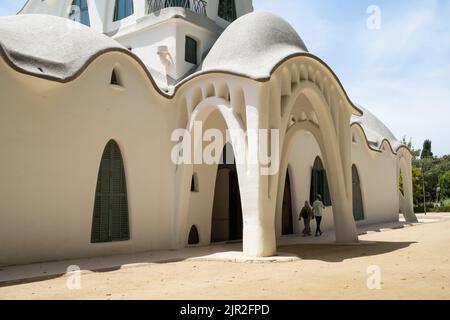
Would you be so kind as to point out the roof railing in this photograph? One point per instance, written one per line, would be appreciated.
(198, 6)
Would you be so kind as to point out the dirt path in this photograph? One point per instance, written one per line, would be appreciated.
(414, 264)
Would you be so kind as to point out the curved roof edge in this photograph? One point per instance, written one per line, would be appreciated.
(376, 132)
(4, 55)
(391, 148)
(23, 7)
(364, 119)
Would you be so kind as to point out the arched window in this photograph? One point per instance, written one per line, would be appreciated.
(319, 183)
(194, 183)
(110, 221)
(123, 9)
(193, 236)
(227, 10)
(358, 209)
(115, 79)
(80, 12)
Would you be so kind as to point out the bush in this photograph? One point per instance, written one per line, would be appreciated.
(442, 209)
(444, 182)
(445, 207)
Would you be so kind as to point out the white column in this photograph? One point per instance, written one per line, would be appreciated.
(258, 211)
(344, 222)
(408, 205)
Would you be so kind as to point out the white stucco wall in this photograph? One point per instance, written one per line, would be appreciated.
(378, 178)
(202, 204)
(52, 137)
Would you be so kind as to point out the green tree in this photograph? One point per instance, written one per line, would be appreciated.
(429, 171)
(417, 186)
(426, 151)
(415, 152)
(444, 182)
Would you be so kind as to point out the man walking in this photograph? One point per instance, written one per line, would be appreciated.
(306, 214)
(318, 207)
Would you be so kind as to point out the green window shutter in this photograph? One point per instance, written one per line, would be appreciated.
(110, 220)
(313, 189)
(319, 183)
(326, 191)
(358, 209)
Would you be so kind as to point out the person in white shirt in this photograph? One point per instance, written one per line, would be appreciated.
(318, 207)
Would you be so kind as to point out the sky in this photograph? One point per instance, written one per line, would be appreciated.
(391, 56)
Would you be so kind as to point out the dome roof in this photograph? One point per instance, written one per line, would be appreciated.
(50, 46)
(253, 45)
(375, 130)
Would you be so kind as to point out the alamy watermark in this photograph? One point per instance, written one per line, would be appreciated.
(73, 281)
(374, 279)
(259, 147)
(374, 20)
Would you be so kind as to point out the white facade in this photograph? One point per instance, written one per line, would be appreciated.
(59, 110)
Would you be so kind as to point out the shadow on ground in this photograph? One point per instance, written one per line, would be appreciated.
(338, 253)
(322, 252)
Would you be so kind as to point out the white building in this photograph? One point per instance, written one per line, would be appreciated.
(87, 115)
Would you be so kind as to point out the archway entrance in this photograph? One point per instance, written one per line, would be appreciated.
(287, 218)
(227, 222)
(358, 209)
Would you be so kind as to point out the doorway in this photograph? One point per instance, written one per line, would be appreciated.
(287, 217)
(227, 222)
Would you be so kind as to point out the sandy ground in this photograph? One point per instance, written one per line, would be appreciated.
(414, 264)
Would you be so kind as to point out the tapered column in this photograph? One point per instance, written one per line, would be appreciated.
(259, 215)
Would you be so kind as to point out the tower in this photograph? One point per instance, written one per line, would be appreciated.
(170, 36)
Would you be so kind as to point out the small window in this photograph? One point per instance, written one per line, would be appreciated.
(194, 183)
(79, 12)
(193, 236)
(227, 10)
(123, 9)
(115, 80)
(191, 50)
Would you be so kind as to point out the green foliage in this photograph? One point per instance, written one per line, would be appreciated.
(426, 151)
(417, 185)
(427, 170)
(401, 185)
(415, 152)
(444, 182)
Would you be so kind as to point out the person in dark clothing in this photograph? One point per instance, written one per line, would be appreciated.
(306, 214)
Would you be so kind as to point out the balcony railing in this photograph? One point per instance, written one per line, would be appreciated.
(198, 6)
